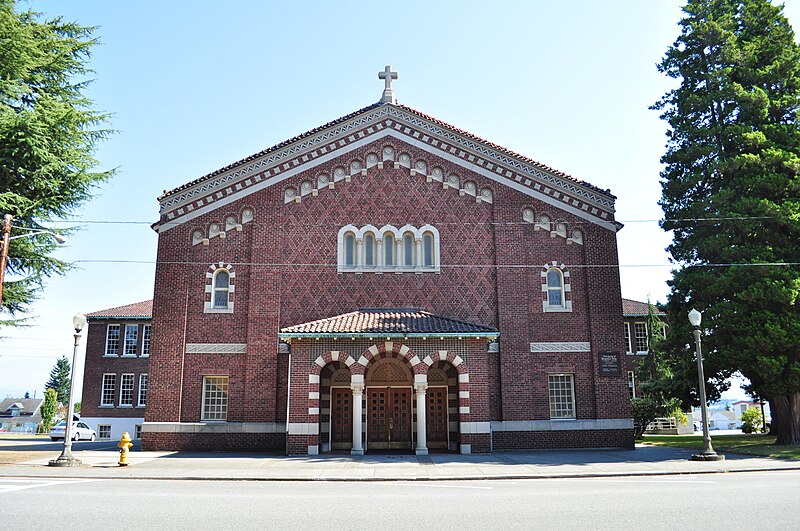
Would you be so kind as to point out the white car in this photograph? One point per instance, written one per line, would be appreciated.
(79, 431)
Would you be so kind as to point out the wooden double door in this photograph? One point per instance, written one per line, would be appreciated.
(388, 418)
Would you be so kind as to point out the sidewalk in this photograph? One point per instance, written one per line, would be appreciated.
(643, 461)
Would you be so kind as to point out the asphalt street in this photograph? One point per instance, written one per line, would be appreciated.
(753, 500)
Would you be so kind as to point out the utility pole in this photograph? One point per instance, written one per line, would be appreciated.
(4, 252)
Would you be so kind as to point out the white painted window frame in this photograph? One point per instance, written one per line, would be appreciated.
(104, 387)
(636, 337)
(144, 384)
(628, 344)
(126, 343)
(117, 327)
(204, 414)
(572, 395)
(101, 429)
(123, 390)
(566, 288)
(147, 337)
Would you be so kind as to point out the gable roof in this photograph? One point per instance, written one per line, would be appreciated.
(137, 310)
(26, 406)
(387, 322)
(370, 124)
(632, 308)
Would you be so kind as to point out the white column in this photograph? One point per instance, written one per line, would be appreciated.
(399, 257)
(422, 434)
(418, 265)
(358, 392)
(379, 254)
(359, 255)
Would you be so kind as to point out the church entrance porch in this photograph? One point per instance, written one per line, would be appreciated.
(389, 414)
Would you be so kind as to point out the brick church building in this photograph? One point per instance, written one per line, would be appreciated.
(387, 281)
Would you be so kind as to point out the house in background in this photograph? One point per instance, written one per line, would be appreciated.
(115, 377)
(20, 415)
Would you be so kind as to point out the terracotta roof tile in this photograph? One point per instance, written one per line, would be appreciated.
(631, 308)
(387, 321)
(368, 108)
(143, 310)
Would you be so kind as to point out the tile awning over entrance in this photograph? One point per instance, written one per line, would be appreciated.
(388, 322)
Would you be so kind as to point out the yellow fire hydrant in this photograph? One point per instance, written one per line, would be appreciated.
(124, 446)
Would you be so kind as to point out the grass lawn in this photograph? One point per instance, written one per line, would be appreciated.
(754, 444)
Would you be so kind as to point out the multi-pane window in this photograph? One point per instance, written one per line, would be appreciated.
(146, 340)
(143, 381)
(126, 390)
(555, 288)
(631, 384)
(112, 340)
(107, 390)
(137, 431)
(562, 396)
(215, 398)
(640, 331)
(372, 249)
(104, 432)
(131, 338)
(628, 348)
(221, 285)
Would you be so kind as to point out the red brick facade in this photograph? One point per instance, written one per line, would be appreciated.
(271, 222)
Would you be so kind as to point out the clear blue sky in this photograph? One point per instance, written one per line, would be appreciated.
(196, 85)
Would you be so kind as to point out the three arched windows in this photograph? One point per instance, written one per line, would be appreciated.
(370, 249)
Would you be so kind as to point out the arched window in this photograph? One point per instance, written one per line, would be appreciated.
(427, 249)
(221, 288)
(408, 250)
(369, 250)
(555, 288)
(388, 250)
(350, 250)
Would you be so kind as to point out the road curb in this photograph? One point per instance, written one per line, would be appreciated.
(343, 479)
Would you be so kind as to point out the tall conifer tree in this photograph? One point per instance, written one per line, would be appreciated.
(731, 196)
(60, 379)
(48, 131)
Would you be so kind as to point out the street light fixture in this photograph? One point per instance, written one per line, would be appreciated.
(707, 453)
(66, 459)
(7, 237)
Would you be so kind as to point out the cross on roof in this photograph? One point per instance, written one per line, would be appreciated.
(388, 76)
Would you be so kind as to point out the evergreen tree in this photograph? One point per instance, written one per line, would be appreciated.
(47, 134)
(731, 197)
(657, 383)
(48, 409)
(59, 380)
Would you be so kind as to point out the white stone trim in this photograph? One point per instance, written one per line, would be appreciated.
(214, 427)
(474, 427)
(466, 448)
(180, 206)
(304, 428)
(562, 425)
(414, 361)
(313, 411)
(313, 395)
(463, 378)
(463, 394)
(378, 259)
(428, 361)
(313, 378)
(559, 346)
(313, 450)
(463, 410)
(420, 378)
(403, 350)
(373, 350)
(216, 348)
